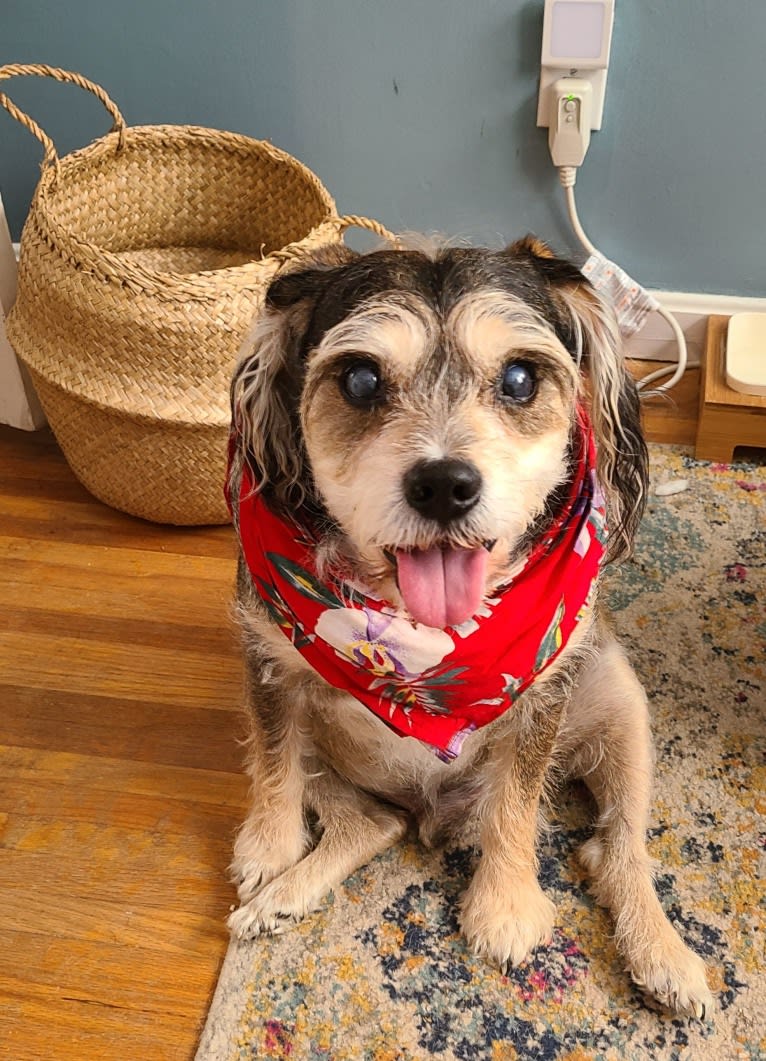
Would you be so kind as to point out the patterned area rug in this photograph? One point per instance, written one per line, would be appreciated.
(381, 973)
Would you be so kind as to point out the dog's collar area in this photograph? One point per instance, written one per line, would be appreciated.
(437, 684)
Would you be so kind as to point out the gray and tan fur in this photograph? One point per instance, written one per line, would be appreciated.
(439, 330)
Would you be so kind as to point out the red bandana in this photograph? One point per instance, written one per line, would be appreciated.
(436, 685)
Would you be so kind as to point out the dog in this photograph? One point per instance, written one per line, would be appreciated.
(424, 442)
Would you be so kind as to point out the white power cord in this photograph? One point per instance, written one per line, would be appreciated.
(568, 176)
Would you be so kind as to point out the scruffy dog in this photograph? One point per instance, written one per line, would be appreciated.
(434, 455)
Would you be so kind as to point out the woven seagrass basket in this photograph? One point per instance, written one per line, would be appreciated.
(144, 259)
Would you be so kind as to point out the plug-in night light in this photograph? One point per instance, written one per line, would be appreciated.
(577, 35)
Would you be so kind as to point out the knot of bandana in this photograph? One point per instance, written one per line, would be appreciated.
(435, 685)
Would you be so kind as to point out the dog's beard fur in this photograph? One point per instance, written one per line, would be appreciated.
(440, 329)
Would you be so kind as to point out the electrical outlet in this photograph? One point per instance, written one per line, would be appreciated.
(577, 36)
(569, 131)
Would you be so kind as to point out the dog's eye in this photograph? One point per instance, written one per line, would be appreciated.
(518, 382)
(362, 384)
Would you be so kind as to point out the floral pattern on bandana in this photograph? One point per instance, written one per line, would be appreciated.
(402, 658)
(436, 685)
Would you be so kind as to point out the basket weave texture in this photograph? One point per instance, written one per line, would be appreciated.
(144, 260)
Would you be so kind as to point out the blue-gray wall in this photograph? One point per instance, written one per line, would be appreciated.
(422, 113)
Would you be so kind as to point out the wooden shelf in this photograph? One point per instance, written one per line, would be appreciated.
(672, 417)
(727, 418)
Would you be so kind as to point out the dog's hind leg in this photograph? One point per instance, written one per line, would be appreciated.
(354, 828)
(607, 741)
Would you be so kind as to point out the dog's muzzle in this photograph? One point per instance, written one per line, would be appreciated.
(442, 585)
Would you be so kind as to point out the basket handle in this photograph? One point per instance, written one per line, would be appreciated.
(51, 157)
(295, 251)
(355, 221)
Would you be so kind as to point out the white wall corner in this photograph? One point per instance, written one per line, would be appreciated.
(19, 405)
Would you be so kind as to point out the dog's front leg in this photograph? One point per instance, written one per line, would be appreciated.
(274, 836)
(504, 913)
(608, 741)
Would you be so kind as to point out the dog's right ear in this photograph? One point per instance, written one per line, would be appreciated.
(588, 329)
(268, 382)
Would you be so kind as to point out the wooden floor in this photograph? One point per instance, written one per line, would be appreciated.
(119, 764)
(119, 769)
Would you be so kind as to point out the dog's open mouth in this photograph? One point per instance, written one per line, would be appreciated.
(444, 585)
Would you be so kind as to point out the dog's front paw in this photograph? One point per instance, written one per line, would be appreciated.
(261, 854)
(675, 976)
(277, 905)
(506, 925)
(257, 918)
(656, 957)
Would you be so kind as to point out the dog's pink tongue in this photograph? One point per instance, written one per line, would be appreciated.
(442, 587)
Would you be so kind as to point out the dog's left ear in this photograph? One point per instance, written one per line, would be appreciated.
(589, 330)
(268, 382)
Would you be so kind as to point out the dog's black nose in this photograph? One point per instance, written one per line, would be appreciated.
(442, 489)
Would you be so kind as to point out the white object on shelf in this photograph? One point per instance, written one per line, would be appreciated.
(746, 353)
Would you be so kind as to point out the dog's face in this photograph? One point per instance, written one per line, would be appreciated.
(436, 419)
(427, 405)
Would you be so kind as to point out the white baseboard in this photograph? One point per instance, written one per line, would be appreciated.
(655, 341)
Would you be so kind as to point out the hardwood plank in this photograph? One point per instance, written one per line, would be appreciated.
(180, 934)
(31, 462)
(27, 766)
(53, 488)
(119, 863)
(101, 593)
(121, 562)
(206, 893)
(90, 522)
(38, 1026)
(32, 446)
(102, 971)
(121, 838)
(217, 640)
(104, 806)
(87, 724)
(124, 670)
